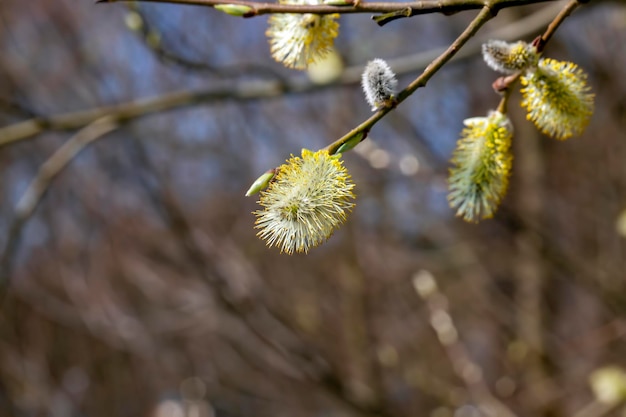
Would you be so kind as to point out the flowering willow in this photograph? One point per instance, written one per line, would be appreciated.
(298, 40)
(509, 58)
(482, 166)
(305, 202)
(557, 98)
(555, 93)
(308, 197)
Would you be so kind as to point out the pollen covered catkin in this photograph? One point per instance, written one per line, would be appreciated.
(309, 198)
(298, 40)
(509, 58)
(558, 100)
(481, 167)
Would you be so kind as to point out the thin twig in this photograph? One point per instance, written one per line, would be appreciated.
(131, 110)
(553, 26)
(59, 160)
(408, 9)
(504, 86)
(483, 17)
(41, 183)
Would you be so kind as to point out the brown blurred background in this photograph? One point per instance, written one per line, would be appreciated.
(137, 287)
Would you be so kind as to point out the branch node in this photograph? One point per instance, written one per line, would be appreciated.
(383, 19)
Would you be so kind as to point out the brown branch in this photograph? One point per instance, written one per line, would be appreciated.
(446, 7)
(126, 111)
(553, 26)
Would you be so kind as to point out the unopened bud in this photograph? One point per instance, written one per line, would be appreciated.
(339, 2)
(261, 183)
(509, 58)
(351, 143)
(234, 9)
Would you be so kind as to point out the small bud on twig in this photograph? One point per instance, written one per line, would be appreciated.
(352, 142)
(509, 58)
(262, 182)
(379, 83)
(234, 9)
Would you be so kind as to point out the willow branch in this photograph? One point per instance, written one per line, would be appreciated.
(483, 17)
(504, 84)
(553, 26)
(408, 9)
(254, 90)
(131, 110)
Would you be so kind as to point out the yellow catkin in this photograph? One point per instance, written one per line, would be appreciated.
(305, 203)
(509, 58)
(298, 40)
(481, 168)
(557, 98)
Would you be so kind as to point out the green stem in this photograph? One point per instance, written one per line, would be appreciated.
(504, 101)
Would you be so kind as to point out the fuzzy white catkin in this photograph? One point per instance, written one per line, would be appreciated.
(379, 83)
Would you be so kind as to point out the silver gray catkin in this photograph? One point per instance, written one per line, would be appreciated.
(379, 83)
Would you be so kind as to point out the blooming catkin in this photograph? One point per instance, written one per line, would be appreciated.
(557, 98)
(379, 83)
(298, 40)
(509, 58)
(306, 201)
(482, 165)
